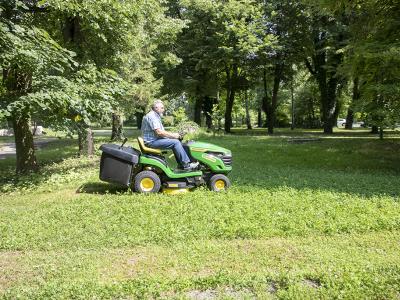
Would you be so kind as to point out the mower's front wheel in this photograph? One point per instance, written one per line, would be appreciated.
(218, 183)
(147, 182)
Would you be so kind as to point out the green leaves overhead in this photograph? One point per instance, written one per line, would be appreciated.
(51, 38)
(373, 56)
(32, 49)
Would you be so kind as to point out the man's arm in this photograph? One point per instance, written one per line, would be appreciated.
(166, 134)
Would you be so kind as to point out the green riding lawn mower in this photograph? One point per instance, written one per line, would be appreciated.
(146, 170)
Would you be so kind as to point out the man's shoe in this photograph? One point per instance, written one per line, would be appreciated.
(190, 166)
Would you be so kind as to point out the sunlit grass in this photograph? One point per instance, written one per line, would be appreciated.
(316, 219)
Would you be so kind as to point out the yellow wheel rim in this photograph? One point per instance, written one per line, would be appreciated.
(220, 184)
(146, 184)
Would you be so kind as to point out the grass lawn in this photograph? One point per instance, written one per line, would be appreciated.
(315, 219)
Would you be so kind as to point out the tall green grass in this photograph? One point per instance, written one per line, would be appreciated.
(318, 219)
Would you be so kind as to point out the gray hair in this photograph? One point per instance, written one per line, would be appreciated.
(156, 103)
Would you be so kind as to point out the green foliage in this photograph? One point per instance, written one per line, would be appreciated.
(31, 49)
(220, 36)
(217, 116)
(188, 129)
(71, 64)
(28, 52)
(307, 105)
(373, 57)
(168, 121)
(180, 115)
(282, 119)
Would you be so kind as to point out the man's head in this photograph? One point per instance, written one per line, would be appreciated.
(158, 107)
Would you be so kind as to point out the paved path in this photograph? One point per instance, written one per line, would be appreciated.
(8, 149)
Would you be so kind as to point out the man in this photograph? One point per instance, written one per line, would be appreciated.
(155, 136)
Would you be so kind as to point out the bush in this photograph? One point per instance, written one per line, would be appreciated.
(168, 121)
(188, 129)
(282, 119)
(180, 115)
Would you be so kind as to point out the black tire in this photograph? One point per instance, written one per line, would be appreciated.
(219, 183)
(147, 182)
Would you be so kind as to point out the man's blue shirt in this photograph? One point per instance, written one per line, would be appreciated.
(151, 122)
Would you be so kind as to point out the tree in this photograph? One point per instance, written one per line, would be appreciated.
(375, 60)
(27, 54)
(107, 70)
(327, 38)
(219, 38)
(196, 74)
(280, 33)
(122, 36)
(372, 57)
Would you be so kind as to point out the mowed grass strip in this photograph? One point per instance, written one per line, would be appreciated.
(101, 221)
(349, 266)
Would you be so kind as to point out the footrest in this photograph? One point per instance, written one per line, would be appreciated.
(180, 171)
(175, 184)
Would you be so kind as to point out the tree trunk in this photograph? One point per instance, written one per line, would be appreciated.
(208, 104)
(73, 38)
(326, 63)
(81, 142)
(139, 118)
(230, 95)
(356, 96)
(259, 118)
(292, 104)
(381, 133)
(274, 99)
(228, 111)
(266, 106)
(270, 107)
(85, 142)
(19, 84)
(72, 34)
(327, 88)
(35, 127)
(374, 129)
(248, 121)
(117, 133)
(197, 110)
(349, 119)
(90, 142)
(25, 150)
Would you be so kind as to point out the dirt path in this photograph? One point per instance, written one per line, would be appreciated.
(8, 149)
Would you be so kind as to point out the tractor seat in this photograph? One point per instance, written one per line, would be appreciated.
(146, 149)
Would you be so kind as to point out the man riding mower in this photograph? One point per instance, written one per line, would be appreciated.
(146, 169)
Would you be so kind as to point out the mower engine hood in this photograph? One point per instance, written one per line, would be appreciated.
(206, 147)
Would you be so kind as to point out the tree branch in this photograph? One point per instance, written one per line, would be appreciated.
(309, 67)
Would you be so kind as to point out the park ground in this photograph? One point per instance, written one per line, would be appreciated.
(313, 218)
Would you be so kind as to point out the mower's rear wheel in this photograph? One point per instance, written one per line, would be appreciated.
(147, 182)
(218, 183)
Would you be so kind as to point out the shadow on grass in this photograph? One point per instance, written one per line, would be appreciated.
(102, 188)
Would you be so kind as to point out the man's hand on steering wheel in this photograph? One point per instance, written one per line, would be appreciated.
(175, 135)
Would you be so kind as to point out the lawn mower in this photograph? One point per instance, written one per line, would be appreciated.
(146, 170)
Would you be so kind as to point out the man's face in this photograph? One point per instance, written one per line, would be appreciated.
(159, 109)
